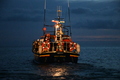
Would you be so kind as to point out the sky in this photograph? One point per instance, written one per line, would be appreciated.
(94, 22)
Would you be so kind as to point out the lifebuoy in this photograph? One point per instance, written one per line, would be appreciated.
(46, 46)
(72, 46)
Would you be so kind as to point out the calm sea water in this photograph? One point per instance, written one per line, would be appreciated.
(95, 63)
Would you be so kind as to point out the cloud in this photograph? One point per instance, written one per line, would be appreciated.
(23, 18)
(81, 11)
(108, 8)
(98, 24)
(24, 10)
(106, 11)
(101, 15)
(97, 38)
(21, 15)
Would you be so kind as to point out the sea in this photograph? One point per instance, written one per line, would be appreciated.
(95, 63)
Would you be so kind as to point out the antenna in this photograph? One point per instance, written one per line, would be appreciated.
(59, 12)
(44, 17)
(69, 17)
(44, 12)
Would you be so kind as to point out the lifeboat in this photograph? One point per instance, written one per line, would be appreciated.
(56, 45)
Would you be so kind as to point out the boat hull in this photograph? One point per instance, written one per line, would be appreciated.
(55, 57)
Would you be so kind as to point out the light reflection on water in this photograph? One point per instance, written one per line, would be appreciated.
(74, 71)
(59, 72)
(64, 70)
(53, 70)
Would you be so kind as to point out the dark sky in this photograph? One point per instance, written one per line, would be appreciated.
(94, 22)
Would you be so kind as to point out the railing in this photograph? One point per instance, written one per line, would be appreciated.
(54, 46)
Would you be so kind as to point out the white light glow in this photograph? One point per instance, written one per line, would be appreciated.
(57, 26)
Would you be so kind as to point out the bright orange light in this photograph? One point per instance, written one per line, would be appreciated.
(44, 29)
(55, 21)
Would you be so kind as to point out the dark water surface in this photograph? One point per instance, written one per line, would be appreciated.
(95, 63)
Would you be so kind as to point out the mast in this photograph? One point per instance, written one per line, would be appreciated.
(44, 28)
(44, 12)
(59, 12)
(58, 27)
(69, 17)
